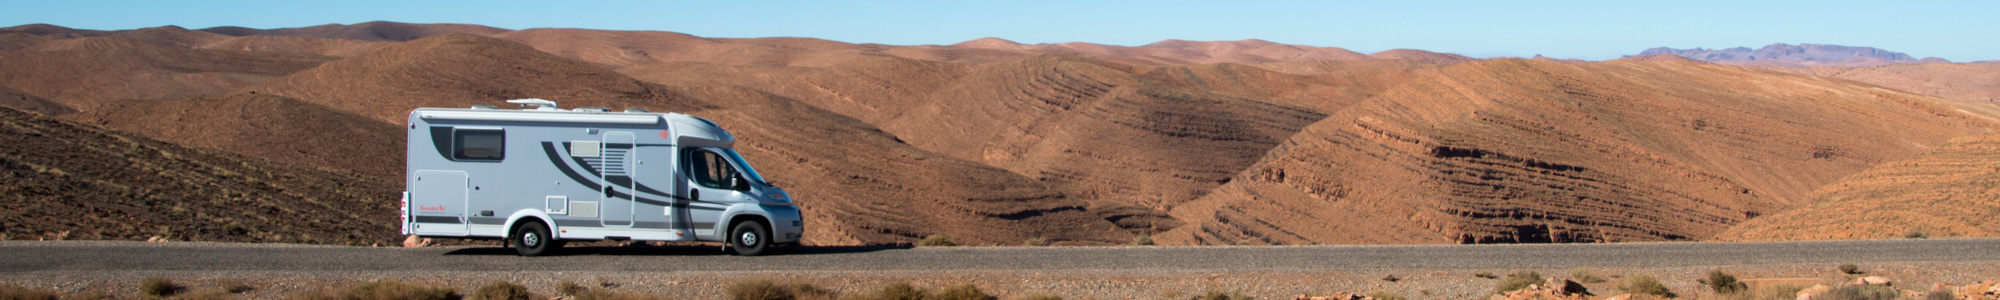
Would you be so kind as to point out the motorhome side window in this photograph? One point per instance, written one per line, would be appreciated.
(478, 144)
(711, 170)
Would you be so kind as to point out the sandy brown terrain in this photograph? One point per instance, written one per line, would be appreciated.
(63, 180)
(998, 142)
(1947, 192)
(1535, 151)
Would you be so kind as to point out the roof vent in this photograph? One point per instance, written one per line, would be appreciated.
(483, 106)
(637, 110)
(591, 109)
(537, 102)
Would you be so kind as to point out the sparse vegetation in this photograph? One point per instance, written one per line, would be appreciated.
(396, 290)
(502, 290)
(1850, 269)
(1486, 275)
(766, 289)
(1142, 240)
(1036, 242)
(1222, 295)
(965, 291)
(1915, 234)
(1777, 292)
(1517, 281)
(1940, 294)
(894, 291)
(1585, 276)
(569, 288)
(1723, 283)
(16, 292)
(1385, 295)
(232, 286)
(936, 240)
(1646, 285)
(1860, 292)
(157, 287)
(1391, 278)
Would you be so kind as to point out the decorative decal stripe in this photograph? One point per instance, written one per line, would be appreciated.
(437, 219)
(488, 221)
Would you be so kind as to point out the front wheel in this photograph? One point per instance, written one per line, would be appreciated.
(533, 239)
(749, 238)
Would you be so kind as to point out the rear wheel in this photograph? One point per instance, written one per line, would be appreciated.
(749, 238)
(533, 239)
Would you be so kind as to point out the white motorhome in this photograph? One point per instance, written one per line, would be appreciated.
(540, 176)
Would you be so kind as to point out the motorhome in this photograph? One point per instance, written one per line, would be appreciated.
(539, 176)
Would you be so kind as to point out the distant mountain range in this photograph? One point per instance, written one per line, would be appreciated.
(1796, 55)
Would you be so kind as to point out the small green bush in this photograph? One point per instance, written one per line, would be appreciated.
(1723, 283)
(156, 287)
(502, 290)
(1850, 269)
(1142, 240)
(936, 240)
(1517, 281)
(16, 292)
(1860, 292)
(1585, 276)
(398, 290)
(965, 291)
(1385, 295)
(1645, 285)
(1222, 295)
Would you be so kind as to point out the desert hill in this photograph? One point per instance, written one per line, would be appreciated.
(85, 72)
(860, 185)
(70, 181)
(1947, 192)
(266, 126)
(1420, 56)
(1801, 55)
(459, 70)
(1976, 83)
(1540, 151)
(368, 31)
(296, 44)
(25, 102)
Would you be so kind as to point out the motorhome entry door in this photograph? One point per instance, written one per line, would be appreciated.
(619, 169)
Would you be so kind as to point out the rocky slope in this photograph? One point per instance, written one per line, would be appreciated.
(1947, 192)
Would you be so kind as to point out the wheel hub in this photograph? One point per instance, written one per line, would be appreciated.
(531, 239)
(748, 239)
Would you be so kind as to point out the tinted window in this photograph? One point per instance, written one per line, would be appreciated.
(478, 144)
(711, 170)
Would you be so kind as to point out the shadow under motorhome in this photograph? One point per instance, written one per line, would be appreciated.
(542, 176)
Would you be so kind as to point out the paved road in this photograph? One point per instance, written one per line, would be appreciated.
(136, 256)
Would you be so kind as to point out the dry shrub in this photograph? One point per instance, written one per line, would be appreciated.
(1517, 281)
(1486, 275)
(1036, 242)
(765, 289)
(1385, 295)
(398, 290)
(599, 294)
(232, 286)
(1850, 269)
(207, 294)
(10, 291)
(570, 288)
(1142, 240)
(1723, 283)
(936, 240)
(1222, 295)
(156, 287)
(1585, 276)
(1645, 285)
(965, 291)
(502, 290)
(1040, 297)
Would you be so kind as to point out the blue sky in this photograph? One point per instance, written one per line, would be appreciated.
(1955, 30)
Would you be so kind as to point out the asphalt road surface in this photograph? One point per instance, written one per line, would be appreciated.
(17, 256)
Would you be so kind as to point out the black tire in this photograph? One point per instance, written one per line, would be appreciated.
(749, 238)
(533, 239)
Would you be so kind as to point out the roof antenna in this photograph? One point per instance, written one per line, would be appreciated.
(537, 102)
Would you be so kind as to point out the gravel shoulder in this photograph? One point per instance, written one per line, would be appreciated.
(696, 272)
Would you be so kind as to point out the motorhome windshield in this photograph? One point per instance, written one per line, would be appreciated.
(747, 170)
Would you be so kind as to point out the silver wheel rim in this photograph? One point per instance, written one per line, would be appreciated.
(749, 239)
(531, 239)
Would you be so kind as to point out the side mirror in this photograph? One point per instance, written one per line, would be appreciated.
(739, 184)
